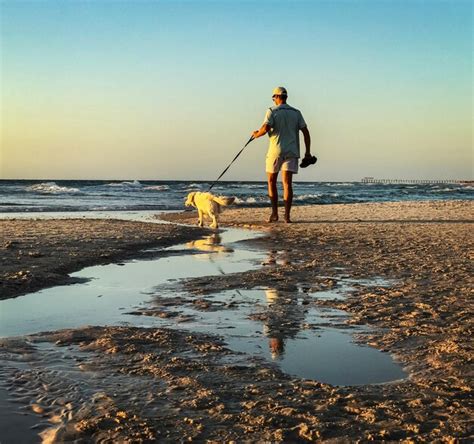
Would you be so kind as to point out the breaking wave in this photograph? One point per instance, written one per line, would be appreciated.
(443, 190)
(157, 188)
(340, 184)
(125, 184)
(308, 197)
(247, 200)
(194, 187)
(51, 188)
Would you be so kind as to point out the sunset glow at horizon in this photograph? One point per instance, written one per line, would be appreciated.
(165, 90)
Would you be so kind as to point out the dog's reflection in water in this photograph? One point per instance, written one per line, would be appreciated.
(209, 244)
(277, 257)
(284, 319)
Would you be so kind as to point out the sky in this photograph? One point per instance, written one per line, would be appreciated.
(161, 90)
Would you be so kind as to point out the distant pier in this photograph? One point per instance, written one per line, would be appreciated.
(416, 181)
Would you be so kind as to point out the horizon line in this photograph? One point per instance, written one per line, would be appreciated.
(362, 180)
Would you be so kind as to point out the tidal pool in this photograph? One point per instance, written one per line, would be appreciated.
(109, 290)
(282, 327)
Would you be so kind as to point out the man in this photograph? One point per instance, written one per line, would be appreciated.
(283, 124)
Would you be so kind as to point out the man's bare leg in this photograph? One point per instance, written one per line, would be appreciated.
(273, 195)
(287, 179)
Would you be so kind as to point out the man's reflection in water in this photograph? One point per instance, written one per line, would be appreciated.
(283, 320)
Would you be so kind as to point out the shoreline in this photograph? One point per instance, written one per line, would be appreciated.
(197, 388)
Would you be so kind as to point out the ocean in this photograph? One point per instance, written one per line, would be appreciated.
(110, 195)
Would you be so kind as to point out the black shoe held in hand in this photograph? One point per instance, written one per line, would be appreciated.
(307, 161)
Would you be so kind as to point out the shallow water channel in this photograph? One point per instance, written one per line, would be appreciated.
(282, 327)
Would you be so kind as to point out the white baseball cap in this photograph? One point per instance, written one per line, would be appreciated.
(279, 91)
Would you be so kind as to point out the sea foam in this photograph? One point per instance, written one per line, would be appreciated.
(125, 184)
(157, 187)
(51, 188)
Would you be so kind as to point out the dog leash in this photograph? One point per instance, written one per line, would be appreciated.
(223, 172)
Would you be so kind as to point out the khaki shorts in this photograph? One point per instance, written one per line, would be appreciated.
(276, 164)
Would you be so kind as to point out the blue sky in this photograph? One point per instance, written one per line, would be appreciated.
(172, 90)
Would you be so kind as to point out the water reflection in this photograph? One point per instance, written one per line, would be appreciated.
(277, 257)
(304, 340)
(109, 290)
(283, 319)
(209, 244)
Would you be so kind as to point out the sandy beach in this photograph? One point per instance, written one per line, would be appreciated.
(141, 385)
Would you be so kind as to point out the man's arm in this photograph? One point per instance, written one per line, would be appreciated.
(262, 131)
(307, 140)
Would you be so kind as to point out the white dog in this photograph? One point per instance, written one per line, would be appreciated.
(208, 205)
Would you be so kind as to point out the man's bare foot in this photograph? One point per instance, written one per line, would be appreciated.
(287, 220)
(273, 218)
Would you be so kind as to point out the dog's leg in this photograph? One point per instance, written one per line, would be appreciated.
(200, 223)
(214, 221)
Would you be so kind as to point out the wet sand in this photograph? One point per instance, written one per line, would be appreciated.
(127, 383)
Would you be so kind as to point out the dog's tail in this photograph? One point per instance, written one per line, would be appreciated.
(221, 200)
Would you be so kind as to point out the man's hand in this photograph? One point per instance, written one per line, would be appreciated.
(262, 131)
(307, 160)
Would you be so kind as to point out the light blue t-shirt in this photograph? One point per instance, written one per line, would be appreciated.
(285, 122)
